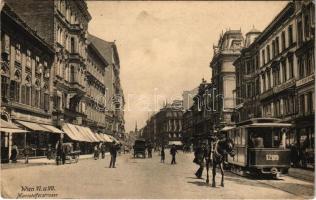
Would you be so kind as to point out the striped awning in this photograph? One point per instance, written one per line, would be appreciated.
(10, 127)
(33, 126)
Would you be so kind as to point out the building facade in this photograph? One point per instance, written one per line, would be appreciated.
(275, 73)
(223, 76)
(26, 85)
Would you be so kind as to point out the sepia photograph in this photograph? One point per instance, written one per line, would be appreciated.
(157, 99)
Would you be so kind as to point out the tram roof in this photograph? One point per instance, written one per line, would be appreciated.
(259, 120)
(271, 125)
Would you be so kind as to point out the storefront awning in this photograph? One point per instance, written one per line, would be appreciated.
(226, 128)
(106, 138)
(52, 129)
(270, 125)
(175, 143)
(72, 132)
(91, 135)
(10, 127)
(33, 126)
(99, 137)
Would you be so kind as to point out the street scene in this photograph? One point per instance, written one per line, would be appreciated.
(145, 179)
(157, 99)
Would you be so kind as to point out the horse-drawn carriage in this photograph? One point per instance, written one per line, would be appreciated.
(67, 151)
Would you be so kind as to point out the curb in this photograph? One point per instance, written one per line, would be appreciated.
(302, 174)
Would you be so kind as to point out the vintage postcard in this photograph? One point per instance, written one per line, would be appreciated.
(157, 99)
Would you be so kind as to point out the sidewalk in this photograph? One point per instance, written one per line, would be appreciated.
(307, 175)
(39, 161)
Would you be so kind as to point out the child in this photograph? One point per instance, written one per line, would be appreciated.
(162, 154)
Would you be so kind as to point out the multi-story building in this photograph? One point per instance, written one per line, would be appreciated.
(187, 97)
(279, 64)
(62, 24)
(247, 80)
(202, 111)
(223, 76)
(26, 85)
(165, 126)
(305, 84)
(95, 89)
(114, 114)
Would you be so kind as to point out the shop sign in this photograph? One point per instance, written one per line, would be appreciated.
(305, 80)
(284, 86)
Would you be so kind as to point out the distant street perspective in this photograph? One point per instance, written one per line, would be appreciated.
(157, 99)
(144, 178)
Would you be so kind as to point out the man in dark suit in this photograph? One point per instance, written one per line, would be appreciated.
(113, 152)
(173, 152)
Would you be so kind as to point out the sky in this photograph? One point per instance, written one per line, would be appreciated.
(166, 47)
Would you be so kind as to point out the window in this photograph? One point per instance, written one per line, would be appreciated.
(18, 53)
(28, 95)
(263, 57)
(301, 105)
(309, 64)
(257, 86)
(263, 82)
(301, 68)
(309, 103)
(15, 91)
(72, 41)
(291, 67)
(300, 32)
(268, 53)
(283, 40)
(273, 49)
(28, 58)
(269, 79)
(37, 98)
(306, 26)
(284, 71)
(290, 34)
(5, 86)
(277, 49)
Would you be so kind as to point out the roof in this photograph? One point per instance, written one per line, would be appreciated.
(104, 47)
(18, 20)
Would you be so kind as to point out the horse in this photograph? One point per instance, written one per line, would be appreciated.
(219, 151)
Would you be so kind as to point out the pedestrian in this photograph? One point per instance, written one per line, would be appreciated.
(162, 154)
(103, 150)
(14, 154)
(149, 149)
(58, 152)
(173, 152)
(200, 155)
(27, 151)
(49, 152)
(96, 152)
(113, 152)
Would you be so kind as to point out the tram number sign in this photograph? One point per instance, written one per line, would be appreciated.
(272, 157)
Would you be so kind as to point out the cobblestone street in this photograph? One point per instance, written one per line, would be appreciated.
(142, 178)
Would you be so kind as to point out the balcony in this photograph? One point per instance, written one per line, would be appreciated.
(76, 58)
(266, 94)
